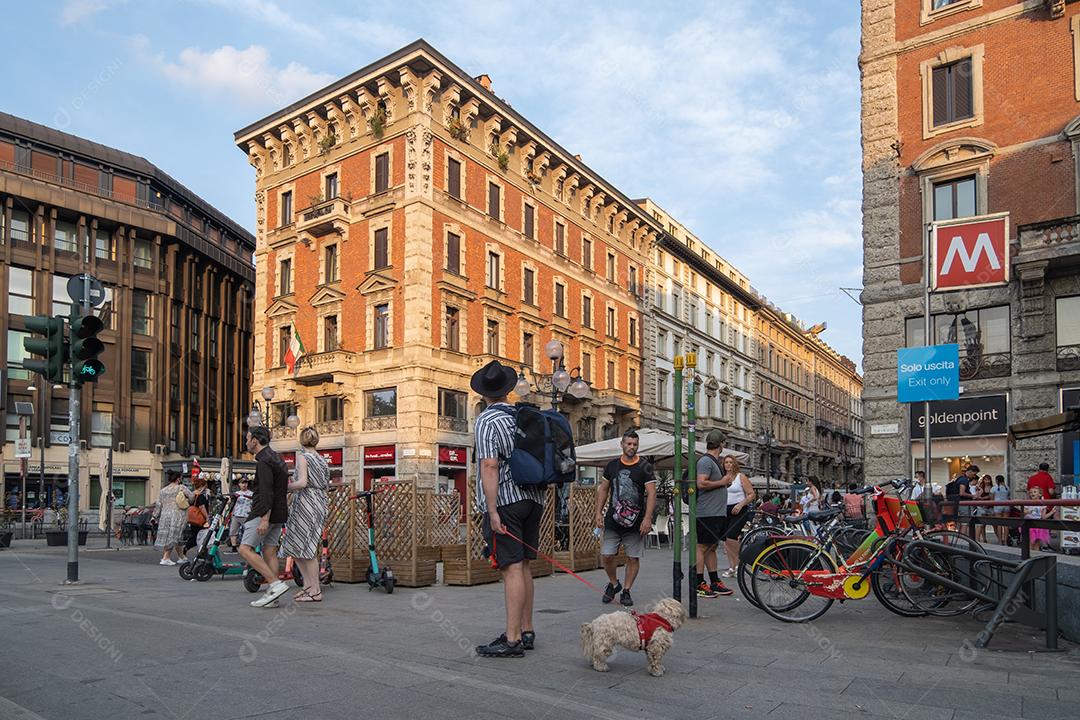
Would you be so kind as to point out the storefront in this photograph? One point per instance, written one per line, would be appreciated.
(39, 490)
(971, 430)
(334, 458)
(380, 463)
(1070, 441)
(453, 470)
(129, 484)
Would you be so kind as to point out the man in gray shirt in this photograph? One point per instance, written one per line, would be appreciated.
(712, 487)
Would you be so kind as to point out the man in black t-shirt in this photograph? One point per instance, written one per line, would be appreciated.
(629, 490)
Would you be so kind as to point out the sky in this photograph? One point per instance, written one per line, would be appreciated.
(739, 117)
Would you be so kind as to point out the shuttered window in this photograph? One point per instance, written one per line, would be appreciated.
(530, 222)
(453, 253)
(382, 249)
(453, 178)
(493, 201)
(953, 92)
(382, 172)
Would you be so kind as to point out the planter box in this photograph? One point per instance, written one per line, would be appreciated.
(57, 538)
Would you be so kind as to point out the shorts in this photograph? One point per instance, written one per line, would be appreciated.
(736, 522)
(711, 529)
(254, 539)
(235, 525)
(629, 538)
(521, 518)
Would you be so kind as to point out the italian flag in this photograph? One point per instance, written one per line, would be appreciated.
(294, 353)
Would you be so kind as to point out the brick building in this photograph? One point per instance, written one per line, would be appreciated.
(972, 107)
(411, 227)
(178, 281)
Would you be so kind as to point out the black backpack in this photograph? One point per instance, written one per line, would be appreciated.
(686, 480)
(543, 447)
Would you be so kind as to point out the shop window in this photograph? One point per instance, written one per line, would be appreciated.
(380, 403)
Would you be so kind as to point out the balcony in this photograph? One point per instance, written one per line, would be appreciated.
(453, 424)
(315, 368)
(332, 427)
(985, 366)
(620, 401)
(282, 432)
(327, 217)
(1068, 358)
(381, 423)
(1056, 241)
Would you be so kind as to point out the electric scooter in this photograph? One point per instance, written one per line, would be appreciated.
(218, 523)
(214, 563)
(376, 576)
(253, 579)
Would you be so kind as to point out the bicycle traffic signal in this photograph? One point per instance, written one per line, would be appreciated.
(85, 347)
(50, 346)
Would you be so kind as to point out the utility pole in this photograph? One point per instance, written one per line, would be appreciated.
(676, 566)
(691, 467)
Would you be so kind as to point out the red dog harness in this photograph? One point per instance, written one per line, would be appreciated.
(648, 624)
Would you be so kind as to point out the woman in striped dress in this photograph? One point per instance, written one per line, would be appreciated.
(171, 518)
(307, 514)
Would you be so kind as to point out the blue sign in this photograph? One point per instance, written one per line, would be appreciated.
(928, 373)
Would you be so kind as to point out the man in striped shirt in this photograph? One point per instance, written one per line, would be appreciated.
(511, 512)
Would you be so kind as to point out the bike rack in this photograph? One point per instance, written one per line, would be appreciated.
(1011, 604)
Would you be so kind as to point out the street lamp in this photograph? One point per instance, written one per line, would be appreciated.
(561, 382)
(765, 437)
(256, 417)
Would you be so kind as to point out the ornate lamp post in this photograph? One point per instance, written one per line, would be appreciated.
(256, 416)
(561, 382)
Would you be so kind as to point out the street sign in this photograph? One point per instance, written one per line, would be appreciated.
(22, 447)
(928, 373)
(970, 252)
(75, 289)
(59, 438)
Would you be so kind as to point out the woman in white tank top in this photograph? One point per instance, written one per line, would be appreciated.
(740, 494)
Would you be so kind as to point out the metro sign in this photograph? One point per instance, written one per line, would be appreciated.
(970, 252)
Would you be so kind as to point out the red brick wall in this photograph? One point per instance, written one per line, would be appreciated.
(908, 15)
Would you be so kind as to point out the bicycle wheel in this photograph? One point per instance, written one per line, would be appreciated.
(937, 598)
(781, 580)
(742, 577)
(887, 584)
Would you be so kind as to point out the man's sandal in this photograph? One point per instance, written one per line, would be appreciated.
(305, 597)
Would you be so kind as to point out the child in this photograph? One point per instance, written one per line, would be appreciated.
(1039, 537)
(1000, 492)
(240, 511)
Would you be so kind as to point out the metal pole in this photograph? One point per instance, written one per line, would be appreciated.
(74, 414)
(676, 567)
(43, 427)
(109, 498)
(23, 422)
(691, 466)
(927, 342)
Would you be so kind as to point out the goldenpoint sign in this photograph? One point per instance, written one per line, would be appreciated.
(970, 252)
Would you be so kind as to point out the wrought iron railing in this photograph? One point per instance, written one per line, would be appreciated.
(985, 365)
(1068, 358)
(380, 423)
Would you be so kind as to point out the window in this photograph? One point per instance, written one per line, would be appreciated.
(330, 333)
(530, 222)
(952, 92)
(65, 237)
(382, 248)
(978, 332)
(284, 341)
(453, 253)
(453, 329)
(528, 290)
(382, 326)
(611, 267)
(452, 404)
(104, 247)
(493, 270)
(141, 313)
(453, 178)
(61, 301)
(586, 367)
(1068, 321)
(286, 209)
(661, 390)
(22, 158)
(612, 323)
(632, 284)
(140, 370)
(381, 403)
(105, 183)
(560, 300)
(633, 381)
(285, 277)
(586, 311)
(101, 419)
(16, 355)
(144, 254)
(286, 155)
(20, 225)
(586, 253)
(662, 342)
(330, 263)
(494, 193)
(329, 408)
(492, 337)
(330, 186)
(528, 352)
(560, 239)
(20, 291)
(632, 327)
(611, 373)
(382, 172)
(954, 198)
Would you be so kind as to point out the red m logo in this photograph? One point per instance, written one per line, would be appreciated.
(973, 252)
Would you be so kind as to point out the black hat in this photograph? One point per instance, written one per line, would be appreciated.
(494, 380)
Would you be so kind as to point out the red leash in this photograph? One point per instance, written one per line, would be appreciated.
(552, 560)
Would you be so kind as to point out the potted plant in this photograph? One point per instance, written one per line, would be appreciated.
(457, 129)
(7, 522)
(377, 122)
(58, 536)
(327, 142)
(316, 199)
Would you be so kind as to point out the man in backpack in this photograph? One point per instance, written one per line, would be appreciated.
(712, 485)
(631, 485)
(512, 511)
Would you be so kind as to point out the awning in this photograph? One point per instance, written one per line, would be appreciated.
(656, 444)
(1068, 421)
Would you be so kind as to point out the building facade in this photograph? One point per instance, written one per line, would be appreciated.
(697, 302)
(972, 107)
(412, 227)
(178, 279)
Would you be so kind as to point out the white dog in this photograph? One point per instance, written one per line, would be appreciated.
(651, 632)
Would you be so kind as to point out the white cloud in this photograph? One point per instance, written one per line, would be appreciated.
(242, 77)
(75, 11)
(270, 13)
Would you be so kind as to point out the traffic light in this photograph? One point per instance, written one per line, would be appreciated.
(85, 347)
(50, 346)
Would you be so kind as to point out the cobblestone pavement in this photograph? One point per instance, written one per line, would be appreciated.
(134, 640)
